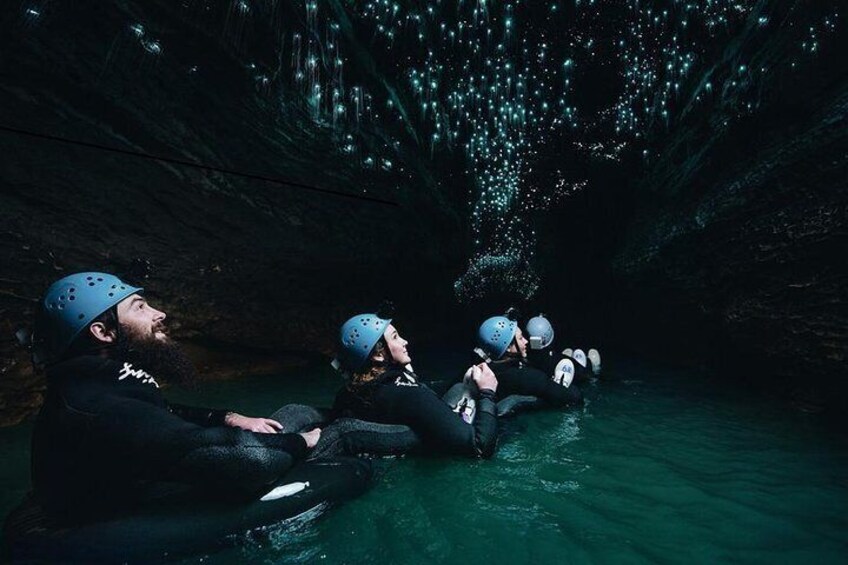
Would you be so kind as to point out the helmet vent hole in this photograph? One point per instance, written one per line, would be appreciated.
(71, 297)
(72, 289)
(111, 294)
(123, 288)
(99, 279)
(91, 284)
(88, 278)
(81, 316)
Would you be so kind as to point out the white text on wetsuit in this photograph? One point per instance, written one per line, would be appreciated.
(128, 371)
(405, 380)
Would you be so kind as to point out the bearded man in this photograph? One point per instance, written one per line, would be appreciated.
(106, 439)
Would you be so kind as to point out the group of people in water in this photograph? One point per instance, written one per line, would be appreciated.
(107, 439)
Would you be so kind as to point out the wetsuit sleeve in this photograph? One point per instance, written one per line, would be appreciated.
(532, 382)
(439, 427)
(159, 445)
(206, 417)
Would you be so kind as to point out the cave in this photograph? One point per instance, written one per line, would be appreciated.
(664, 180)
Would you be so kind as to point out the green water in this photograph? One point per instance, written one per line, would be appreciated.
(659, 466)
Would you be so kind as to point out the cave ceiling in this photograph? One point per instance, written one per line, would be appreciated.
(495, 112)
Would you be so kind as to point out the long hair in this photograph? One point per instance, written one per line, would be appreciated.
(373, 370)
(364, 383)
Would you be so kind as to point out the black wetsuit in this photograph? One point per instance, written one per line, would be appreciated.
(106, 440)
(397, 397)
(517, 377)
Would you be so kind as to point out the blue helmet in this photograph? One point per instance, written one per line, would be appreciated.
(358, 337)
(495, 335)
(70, 304)
(540, 327)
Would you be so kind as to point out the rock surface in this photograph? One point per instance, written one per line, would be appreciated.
(737, 247)
(727, 247)
(235, 262)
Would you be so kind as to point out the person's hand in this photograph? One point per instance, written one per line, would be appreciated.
(484, 377)
(312, 437)
(258, 425)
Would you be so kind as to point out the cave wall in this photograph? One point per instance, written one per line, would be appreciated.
(735, 252)
(723, 243)
(235, 262)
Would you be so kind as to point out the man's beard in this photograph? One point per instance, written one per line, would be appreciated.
(162, 358)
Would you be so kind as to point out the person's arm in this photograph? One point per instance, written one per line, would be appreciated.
(210, 417)
(439, 427)
(159, 445)
(206, 417)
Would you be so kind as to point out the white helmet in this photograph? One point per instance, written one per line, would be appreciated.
(540, 327)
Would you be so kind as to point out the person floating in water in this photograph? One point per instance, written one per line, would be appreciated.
(501, 340)
(383, 388)
(543, 356)
(106, 437)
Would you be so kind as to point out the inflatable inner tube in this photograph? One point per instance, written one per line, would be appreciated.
(346, 436)
(349, 436)
(296, 418)
(517, 403)
(188, 523)
(462, 398)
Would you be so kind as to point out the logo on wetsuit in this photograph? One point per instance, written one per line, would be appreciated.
(466, 408)
(128, 371)
(405, 380)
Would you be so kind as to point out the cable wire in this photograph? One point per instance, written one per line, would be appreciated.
(185, 163)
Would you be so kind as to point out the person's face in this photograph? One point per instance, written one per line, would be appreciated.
(519, 344)
(147, 342)
(141, 320)
(397, 346)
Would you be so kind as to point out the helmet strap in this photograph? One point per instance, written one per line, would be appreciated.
(387, 359)
(116, 346)
(508, 355)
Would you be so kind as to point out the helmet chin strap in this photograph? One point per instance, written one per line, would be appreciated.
(118, 329)
(386, 353)
(391, 362)
(386, 363)
(513, 354)
(120, 338)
